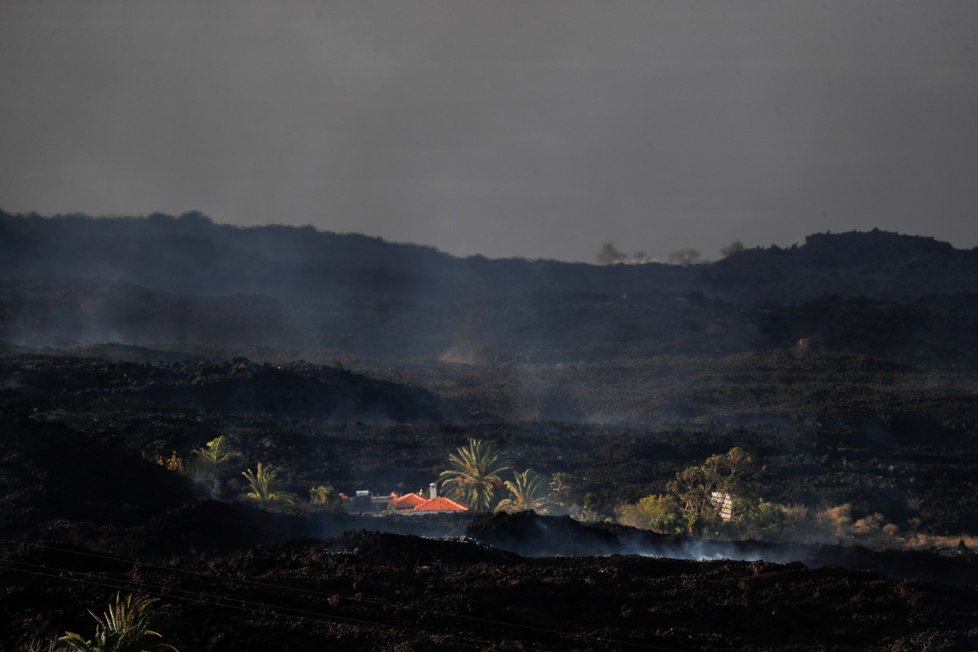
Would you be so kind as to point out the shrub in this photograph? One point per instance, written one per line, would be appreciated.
(659, 513)
(324, 496)
(124, 627)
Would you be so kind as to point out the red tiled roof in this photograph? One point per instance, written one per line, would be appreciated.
(407, 501)
(440, 504)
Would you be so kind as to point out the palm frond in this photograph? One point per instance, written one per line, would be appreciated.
(265, 488)
(124, 627)
(528, 491)
(474, 474)
(217, 451)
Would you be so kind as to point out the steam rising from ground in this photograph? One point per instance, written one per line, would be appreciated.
(530, 535)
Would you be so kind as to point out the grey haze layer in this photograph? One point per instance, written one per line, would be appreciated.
(537, 129)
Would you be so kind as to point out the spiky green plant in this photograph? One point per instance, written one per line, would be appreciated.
(217, 451)
(527, 490)
(124, 627)
(474, 474)
(265, 488)
(213, 455)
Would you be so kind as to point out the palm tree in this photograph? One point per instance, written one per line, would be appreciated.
(217, 451)
(125, 627)
(265, 488)
(474, 474)
(528, 491)
(215, 454)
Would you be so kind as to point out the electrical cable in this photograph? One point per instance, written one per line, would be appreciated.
(198, 598)
(313, 592)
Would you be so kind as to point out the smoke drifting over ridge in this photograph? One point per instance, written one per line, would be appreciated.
(506, 128)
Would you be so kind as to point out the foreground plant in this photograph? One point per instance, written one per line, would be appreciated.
(265, 488)
(474, 474)
(124, 627)
(527, 491)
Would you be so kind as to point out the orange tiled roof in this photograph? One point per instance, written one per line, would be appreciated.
(440, 504)
(407, 501)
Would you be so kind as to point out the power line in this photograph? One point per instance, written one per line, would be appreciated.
(312, 592)
(201, 598)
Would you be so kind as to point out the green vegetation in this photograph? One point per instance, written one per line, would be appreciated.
(265, 487)
(660, 513)
(324, 497)
(527, 491)
(717, 497)
(215, 454)
(124, 627)
(474, 474)
(694, 503)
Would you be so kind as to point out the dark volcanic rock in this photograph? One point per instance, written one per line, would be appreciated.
(212, 526)
(316, 391)
(397, 550)
(48, 471)
(527, 533)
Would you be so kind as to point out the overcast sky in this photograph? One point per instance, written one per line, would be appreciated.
(509, 128)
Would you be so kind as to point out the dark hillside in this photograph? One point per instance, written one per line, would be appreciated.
(193, 255)
(236, 386)
(873, 264)
(48, 471)
(70, 281)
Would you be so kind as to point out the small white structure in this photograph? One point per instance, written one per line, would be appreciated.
(723, 503)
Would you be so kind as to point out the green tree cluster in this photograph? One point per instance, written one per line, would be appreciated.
(694, 499)
(475, 478)
(265, 486)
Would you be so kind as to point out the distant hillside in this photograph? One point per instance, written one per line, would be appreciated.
(69, 281)
(192, 255)
(875, 264)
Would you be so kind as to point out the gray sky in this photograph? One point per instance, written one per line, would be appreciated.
(531, 128)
